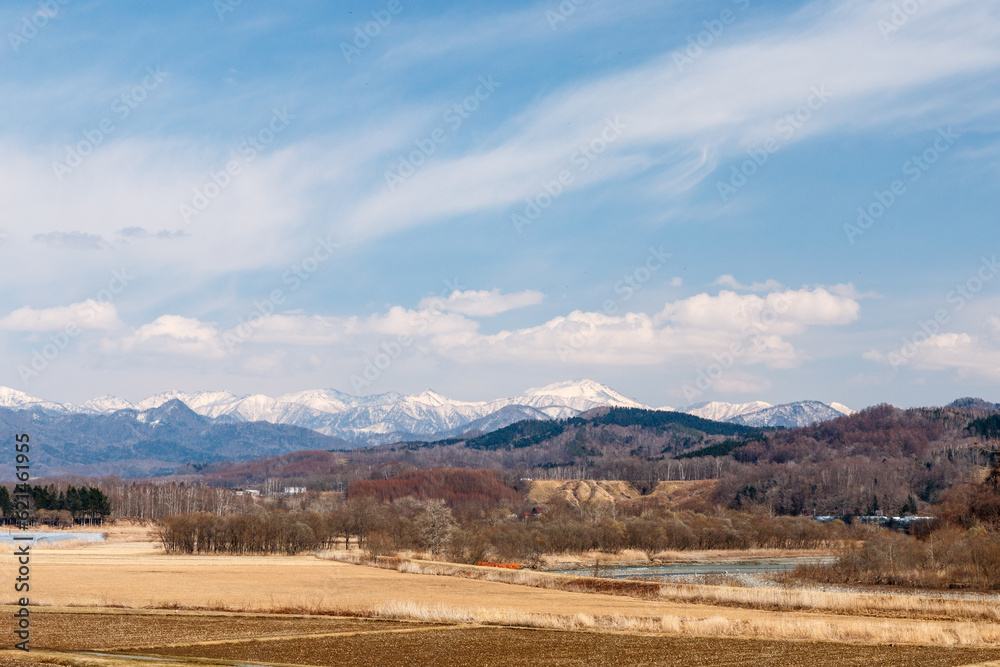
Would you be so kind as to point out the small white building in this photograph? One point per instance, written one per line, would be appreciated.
(294, 490)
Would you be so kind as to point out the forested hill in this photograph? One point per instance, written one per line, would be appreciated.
(678, 430)
(880, 459)
(631, 444)
(616, 443)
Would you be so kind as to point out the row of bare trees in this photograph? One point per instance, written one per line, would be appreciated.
(470, 532)
(267, 533)
(413, 524)
(946, 558)
(146, 501)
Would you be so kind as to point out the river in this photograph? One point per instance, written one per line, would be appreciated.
(51, 537)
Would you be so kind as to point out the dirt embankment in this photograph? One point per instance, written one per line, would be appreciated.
(574, 492)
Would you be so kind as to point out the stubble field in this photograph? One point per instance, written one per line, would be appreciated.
(109, 638)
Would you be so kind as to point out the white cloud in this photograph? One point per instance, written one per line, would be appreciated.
(260, 221)
(787, 312)
(89, 314)
(741, 385)
(729, 281)
(170, 335)
(970, 357)
(687, 331)
(483, 303)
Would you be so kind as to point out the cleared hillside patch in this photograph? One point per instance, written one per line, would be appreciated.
(573, 492)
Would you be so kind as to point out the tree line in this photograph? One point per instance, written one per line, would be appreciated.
(510, 531)
(960, 550)
(54, 506)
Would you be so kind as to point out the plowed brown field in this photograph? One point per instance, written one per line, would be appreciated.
(110, 632)
(312, 640)
(468, 647)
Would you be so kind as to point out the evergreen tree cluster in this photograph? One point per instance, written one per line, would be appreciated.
(663, 420)
(80, 502)
(987, 427)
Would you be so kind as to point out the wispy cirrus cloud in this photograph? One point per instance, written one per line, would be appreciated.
(483, 303)
(71, 240)
(734, 98)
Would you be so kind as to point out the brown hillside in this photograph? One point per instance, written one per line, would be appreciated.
(692, 495)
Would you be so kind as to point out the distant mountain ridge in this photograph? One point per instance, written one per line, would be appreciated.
(159, 440)
(761, 414)
(720, 412)
(393, 417)
(789, 415)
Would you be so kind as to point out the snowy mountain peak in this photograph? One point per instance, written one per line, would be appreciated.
(720, 411)
(174, 409)
(842, 409)
(321, 400)
(107, 403)
(585, 389)
(195, 401)
(18, 400)
(431, 397)
(759, 413)
(788, 415)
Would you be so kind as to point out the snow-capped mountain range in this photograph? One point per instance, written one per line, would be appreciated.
(759, 413)
(391, 417)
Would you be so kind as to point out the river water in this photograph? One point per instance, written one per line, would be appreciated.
(8, 536)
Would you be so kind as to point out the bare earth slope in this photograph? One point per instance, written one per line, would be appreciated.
(573, 492)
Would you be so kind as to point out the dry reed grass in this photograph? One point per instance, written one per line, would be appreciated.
(855, 630)
(637, 557)
(771, 599)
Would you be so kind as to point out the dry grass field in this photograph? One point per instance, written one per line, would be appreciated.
(307, 610)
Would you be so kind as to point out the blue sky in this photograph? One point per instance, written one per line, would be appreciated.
(479, 198)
